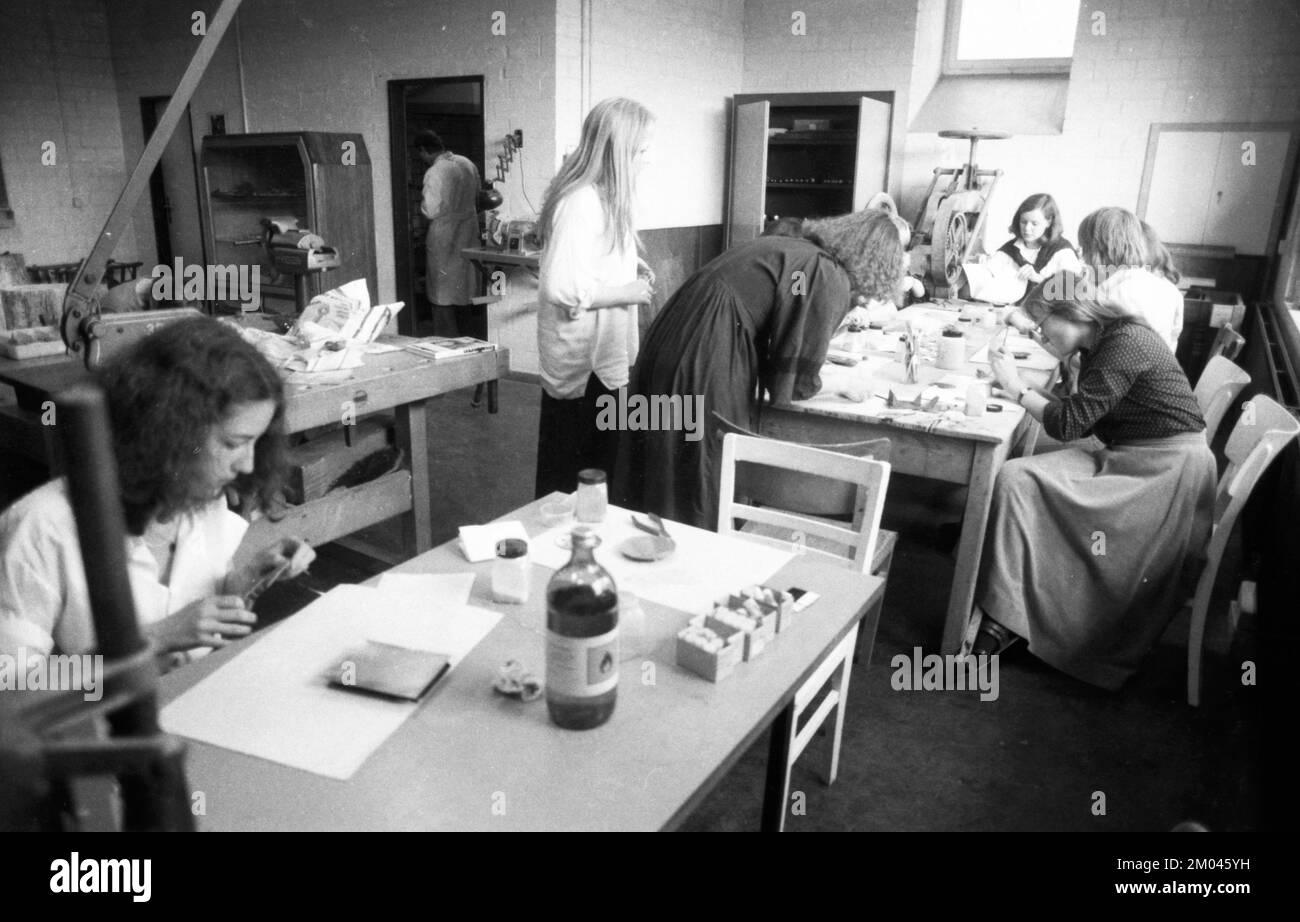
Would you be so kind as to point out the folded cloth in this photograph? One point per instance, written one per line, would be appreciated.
(479, 542)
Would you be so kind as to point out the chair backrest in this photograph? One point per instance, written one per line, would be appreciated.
(1216, 389)
(1261, 433)
(869, 479)
(804, 495)
(1227, 342)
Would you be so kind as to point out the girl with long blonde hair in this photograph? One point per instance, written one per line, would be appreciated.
(591, 284)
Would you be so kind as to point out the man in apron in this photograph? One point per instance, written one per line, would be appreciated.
(451, 185)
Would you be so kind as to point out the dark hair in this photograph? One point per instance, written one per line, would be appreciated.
(1040, 201)
(429, 140)
(784, 227)
(165, 395)
(868, 244)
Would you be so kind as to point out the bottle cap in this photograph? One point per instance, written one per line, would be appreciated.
(585, 536)
(591, 475)
(511, 548)
(953, 332)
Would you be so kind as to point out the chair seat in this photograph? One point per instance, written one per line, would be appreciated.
(886, 541)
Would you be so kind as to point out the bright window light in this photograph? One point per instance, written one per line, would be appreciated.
(1001, 30)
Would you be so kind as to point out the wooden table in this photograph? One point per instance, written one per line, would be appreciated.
(401, 381)
(957, 450)
(470, 759)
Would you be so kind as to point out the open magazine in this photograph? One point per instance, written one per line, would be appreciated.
(443, 347)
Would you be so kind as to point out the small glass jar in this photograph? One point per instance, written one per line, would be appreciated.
(592, 499)
(510, 571)
(952, 350)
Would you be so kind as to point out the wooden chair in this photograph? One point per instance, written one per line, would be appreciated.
(813, 496)
(1216, 389)
(868, 479)
(1263, 431)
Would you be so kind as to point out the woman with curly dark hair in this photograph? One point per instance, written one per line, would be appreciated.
(758, 319)
(197, 416)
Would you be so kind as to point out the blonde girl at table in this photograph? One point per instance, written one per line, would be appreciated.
(1085, 551)
(591, 284)
(197, 415)
(1125, 270)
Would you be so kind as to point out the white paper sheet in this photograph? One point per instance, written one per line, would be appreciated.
(272, 700)
(705, 565)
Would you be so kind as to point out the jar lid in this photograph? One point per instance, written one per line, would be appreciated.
(511, 548)
(591, 475)
(952, 333)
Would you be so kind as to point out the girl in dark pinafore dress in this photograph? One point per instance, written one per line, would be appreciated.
(757, 319)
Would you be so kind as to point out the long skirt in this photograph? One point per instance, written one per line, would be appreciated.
(1089, 555)
(569, 440)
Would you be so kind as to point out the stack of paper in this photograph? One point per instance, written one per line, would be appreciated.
(273, 700)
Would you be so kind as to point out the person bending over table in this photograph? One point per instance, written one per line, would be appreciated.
(757, 318)
(1085, 550)
(197, 414)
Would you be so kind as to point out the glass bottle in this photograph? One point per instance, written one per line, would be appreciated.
(581, 638)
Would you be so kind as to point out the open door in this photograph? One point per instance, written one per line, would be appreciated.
(748, 172)
(871, 172)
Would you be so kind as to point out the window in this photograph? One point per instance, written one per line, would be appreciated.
(1010, 36)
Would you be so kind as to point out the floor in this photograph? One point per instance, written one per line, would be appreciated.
(1050, 753)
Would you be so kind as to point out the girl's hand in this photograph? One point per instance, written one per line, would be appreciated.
(1019, 321)
(296, 553)
(1027, 274)
(210, 622)
(643, 271)
(1005, 371)
(639, 292)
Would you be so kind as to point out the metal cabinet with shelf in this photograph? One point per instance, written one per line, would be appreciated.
(320, 180)
(804, 155)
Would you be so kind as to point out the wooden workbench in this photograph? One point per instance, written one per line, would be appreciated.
(400, 381)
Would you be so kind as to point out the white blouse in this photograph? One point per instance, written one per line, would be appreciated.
(44, 601)
(1148, 295)
(577, 262)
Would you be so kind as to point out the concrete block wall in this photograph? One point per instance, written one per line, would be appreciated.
(862, 45)
(57, 86)
(1188, 61)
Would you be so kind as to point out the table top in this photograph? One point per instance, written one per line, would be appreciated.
(314, 399)
(470, 759)
(879, 372)
(502, 257)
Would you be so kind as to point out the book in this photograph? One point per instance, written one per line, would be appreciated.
(442, 347)
(388, 670)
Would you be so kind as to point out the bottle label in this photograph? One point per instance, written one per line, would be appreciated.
(582, 666)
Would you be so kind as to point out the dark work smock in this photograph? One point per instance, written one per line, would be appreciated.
(761, 315)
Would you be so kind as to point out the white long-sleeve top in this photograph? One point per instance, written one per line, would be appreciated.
(1144, 293)
(576, 263)
(44, 600)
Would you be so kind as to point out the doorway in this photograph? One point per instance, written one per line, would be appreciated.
(173, 189)
(453, 107)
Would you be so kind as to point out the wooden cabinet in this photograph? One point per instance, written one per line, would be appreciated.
(1217, 185)
(319, 180)
(804, 155)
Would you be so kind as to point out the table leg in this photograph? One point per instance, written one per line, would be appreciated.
(778, 755)
(979, 494)
(412, 438)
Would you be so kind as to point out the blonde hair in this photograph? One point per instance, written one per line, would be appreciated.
(1112, 238)
(1159, 259)
(612, 133)
(1073, 297)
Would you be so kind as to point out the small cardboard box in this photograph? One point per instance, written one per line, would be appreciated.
(715, 664)
(1213, 307)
